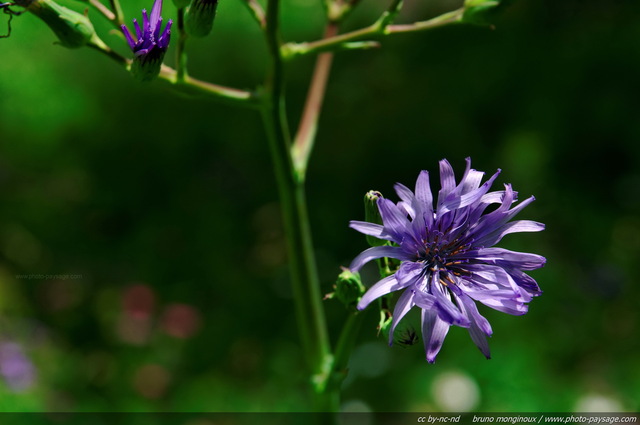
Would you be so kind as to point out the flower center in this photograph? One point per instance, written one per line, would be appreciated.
(437, 256)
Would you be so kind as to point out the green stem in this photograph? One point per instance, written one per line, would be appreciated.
(225, 94)
(187, 84)
(306, 135)
(256, 12)
(445, 19)
(117, 10)
(98, 45)
(304, 276)
(181, 54)
(103, 9)
(344, 348)
(378, 28)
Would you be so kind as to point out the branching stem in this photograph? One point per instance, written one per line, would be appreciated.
(378, 28)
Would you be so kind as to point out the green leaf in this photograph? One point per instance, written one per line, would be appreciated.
(479, 12)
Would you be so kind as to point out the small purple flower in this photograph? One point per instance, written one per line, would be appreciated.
(446, 254)
(15, 367)
(150, 46)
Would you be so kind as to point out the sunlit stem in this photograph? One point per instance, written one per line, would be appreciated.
(103, 9)
(307, 130)
(257, 12)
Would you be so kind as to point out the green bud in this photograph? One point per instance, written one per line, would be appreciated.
(479, 11)
(199, 17)
(372, 214)
(349, 288)
(72, 28)
(181, 3)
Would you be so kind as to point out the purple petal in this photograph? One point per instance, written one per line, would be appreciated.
(480, 339)
(470, 179)
(425, 300)
(487, 278)
(479, 328)
(434, 330)
(424, 196)
(409, 272)
(146, 28)
(471, 311)
(498, 256)
(524, 281)
(136, 25)
(513, 307)
(383, 287)
(496, 236)
(371, 229)
(447, 182)
(403, 305)
(156, 31)
(408, 197)
(394, 222)
(377, 252)
(142, 52)
(448, 311)
(455, 201)
(128, 36)
(155, 15)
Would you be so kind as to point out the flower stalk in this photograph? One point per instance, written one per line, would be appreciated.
(381, 27)
(310, 313)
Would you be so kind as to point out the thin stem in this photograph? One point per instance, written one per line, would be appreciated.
(103, 9)
(98, 45)
(344, 348)
(257, 12)
(188, 84)
(438, 21)
(218, 92)
(308, 127)
(117, 9)
(373, 30)
(304, 276)
(181, 54)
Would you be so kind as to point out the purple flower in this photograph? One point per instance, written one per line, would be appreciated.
(15, 367)
(446, 254)
(150, 46)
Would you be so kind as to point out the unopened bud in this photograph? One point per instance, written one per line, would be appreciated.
(199, 17)
(372, 214)
(349, 288)
(72, 28)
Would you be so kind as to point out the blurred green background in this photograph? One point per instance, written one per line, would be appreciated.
(156, 215)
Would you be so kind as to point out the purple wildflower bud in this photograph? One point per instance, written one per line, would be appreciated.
(15, 367)
(447, 263)
(149, 45)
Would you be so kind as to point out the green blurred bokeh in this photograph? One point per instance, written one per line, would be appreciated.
(158, 213)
